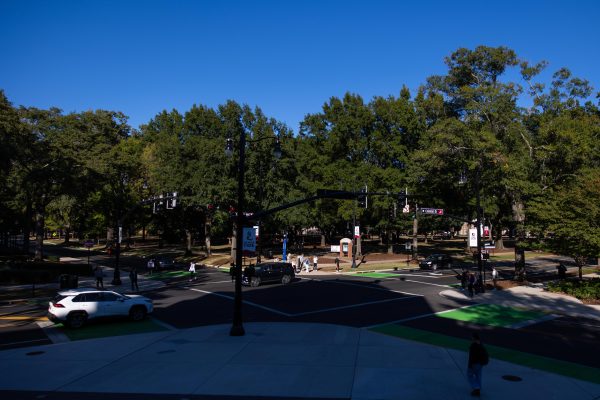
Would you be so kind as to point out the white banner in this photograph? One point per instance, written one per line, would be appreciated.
(473, 237)
(357, 231)
(335, 249)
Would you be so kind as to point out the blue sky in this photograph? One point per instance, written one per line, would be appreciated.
(287, 57)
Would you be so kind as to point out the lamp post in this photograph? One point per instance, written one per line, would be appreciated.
(462, 181)
(237, 328)
(478, 205)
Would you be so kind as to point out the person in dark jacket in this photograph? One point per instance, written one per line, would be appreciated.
(133, 277)
(478, 357)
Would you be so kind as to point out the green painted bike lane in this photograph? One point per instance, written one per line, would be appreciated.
(493, 316)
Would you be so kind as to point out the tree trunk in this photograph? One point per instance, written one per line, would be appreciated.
(67, 235)
(580, 262)
(498, 240)
(27, 228)
(207, 235)
(109, 236)
(415, 232)
(39, 235)
(188, 242)
(390, 243)
(323, 243)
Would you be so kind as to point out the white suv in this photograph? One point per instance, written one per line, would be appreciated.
(75, 306)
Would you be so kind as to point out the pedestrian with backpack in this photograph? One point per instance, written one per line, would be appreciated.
(478, 358)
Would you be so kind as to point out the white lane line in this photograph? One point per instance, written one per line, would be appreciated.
(365, 286)
(427, 283)
(245, 301)
(399, 321)
(351, 306)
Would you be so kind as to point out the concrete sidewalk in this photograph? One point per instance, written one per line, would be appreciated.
(273, 360)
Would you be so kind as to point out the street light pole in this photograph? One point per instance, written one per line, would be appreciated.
(478, 205)
(237, 328)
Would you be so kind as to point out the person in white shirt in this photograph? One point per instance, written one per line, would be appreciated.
(315, 261)
(494, 276)
(192, 270)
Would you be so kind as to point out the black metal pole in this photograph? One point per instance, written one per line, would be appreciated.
(117, 273)
(354, 236)
(237, 329)
(478, 205)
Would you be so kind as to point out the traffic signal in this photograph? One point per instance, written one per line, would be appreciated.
(401, 197)
(362, 198)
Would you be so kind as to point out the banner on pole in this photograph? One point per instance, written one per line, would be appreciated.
(249, 241)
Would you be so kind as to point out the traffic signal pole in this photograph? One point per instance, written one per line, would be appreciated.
(478, 205)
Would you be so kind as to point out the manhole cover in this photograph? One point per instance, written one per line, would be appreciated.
(35, 353)
(512, 378)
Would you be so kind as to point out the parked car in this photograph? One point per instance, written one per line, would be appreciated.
(75, 307)
(436, 261)
(268, 272)
(165, 263)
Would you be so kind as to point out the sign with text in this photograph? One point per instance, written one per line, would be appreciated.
(432, 211)
(473, 237)
(248, 240)
(357, 231)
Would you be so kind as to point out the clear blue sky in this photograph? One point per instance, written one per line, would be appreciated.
(287, 57)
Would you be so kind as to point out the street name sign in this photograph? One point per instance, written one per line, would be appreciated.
(432, 211)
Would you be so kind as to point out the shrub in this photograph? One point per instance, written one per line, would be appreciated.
(583, 290)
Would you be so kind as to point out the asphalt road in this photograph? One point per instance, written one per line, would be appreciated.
(336, 299)
(408, 298)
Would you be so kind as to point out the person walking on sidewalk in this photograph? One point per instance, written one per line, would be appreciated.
(150, 266)
(471, 284)
(315, 261)
(337, 264)
(133, 277)
(99, 274)
(478, 358)
(494, 276)
(192, 270)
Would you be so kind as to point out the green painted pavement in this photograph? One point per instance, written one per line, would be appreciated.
(548, 364)
(493, 315)
(111, 328)
(168, 274)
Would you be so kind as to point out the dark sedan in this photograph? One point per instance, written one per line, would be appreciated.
(268, 272)
(436, 261)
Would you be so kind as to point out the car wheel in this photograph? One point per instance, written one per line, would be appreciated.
(137, 313)
(76, 319)
(286, 279)
(434, 267)
(255, 281)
